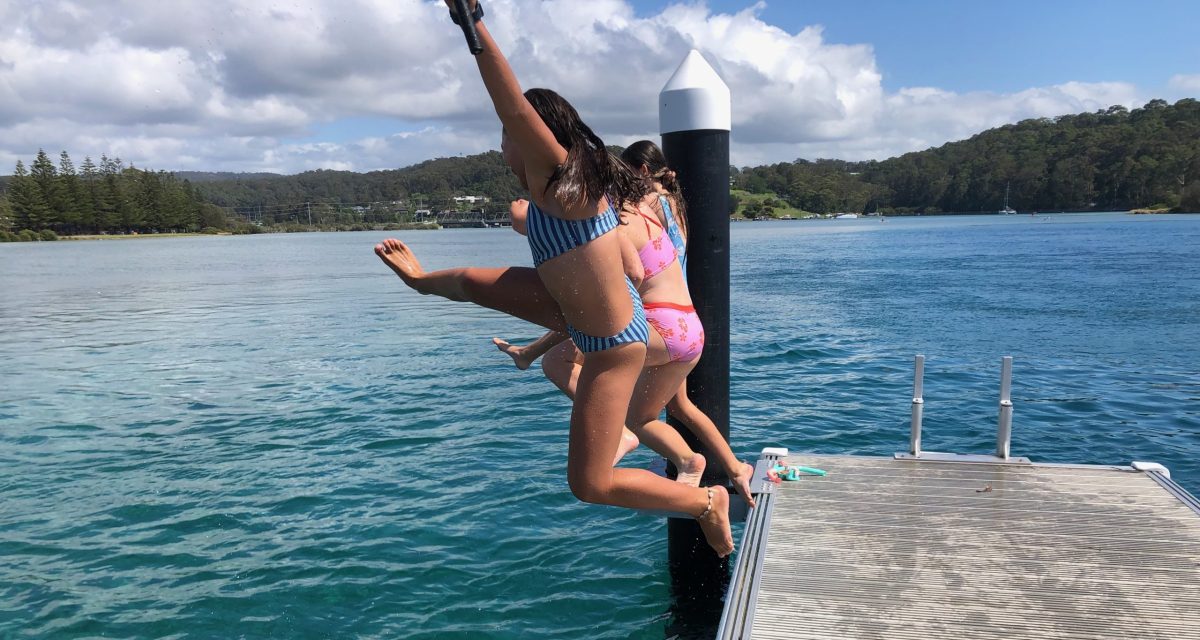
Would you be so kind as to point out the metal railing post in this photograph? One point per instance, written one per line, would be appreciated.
(918, 405)
(1004, 432)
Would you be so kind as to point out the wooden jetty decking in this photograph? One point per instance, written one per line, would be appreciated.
(914, 549)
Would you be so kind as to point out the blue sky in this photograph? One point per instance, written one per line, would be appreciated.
(229, 85)
(968, 46)
(971, 45)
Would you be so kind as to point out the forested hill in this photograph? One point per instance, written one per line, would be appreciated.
(1111, 160)
(431, 182)
(216, 176)
(1115, 159)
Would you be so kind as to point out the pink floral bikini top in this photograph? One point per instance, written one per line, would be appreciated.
(658, 253)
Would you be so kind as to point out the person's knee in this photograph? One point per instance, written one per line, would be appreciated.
(642, 411)
(468, 288)
(552, 367)
(586, 492)
(638, 421)
(559, 373)
(587, 489)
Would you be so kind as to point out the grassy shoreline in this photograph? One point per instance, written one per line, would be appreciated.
(134, 236)
(419, 226)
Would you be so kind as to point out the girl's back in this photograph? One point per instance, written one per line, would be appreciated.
(665, 280)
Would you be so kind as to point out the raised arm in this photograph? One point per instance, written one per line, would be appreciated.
(540, 151)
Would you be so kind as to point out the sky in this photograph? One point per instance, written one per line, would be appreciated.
(361, 85)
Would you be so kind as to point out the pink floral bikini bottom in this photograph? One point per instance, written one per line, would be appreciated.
(679, 327)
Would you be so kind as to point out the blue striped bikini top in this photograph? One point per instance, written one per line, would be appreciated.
(674, 234)
(550, 237)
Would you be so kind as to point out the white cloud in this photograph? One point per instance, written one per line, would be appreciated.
(230, 85)
(918, 118)
(1185, 83)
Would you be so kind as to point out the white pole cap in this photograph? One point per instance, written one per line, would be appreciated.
(694, 98)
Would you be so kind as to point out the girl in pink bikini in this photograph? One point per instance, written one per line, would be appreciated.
(655, 228)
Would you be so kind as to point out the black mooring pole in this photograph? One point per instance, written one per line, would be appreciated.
(694, 118)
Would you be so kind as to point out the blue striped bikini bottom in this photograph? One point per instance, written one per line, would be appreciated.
(638, 329)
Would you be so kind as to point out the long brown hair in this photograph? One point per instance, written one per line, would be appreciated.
(590, 171)
(646, 153)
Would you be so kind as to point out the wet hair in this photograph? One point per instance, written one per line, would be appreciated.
(590, 172)
(645, 153)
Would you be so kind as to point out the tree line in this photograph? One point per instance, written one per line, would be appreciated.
(430, 184)
(1112, 160)
(108, 197)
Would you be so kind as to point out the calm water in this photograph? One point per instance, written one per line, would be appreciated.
(270, 437)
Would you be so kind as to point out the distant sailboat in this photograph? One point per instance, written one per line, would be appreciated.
(1007, 210)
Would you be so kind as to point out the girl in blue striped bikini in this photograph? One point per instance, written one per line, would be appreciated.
(668, 309)
(579, 284)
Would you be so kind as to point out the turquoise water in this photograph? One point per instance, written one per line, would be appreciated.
(269, 436)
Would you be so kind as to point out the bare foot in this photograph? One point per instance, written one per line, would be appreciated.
(516, 353)
(629, 442)
(400, 259)
(691, 471)
(715, 523)
(741, 480)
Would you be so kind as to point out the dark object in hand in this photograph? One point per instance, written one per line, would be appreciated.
(462, 8)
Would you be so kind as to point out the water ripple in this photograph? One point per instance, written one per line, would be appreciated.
(207, 438)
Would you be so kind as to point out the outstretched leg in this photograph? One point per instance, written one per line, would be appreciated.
(605, 387)
(525, 356)
(516, 291)
(698, 422)
(654, 388)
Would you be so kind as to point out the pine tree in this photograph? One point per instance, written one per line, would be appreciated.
(28, 205)
(72, 194)
(43, 173)
(6, 216)
(89, 196)
(193, 206)
(129, 213)
(174, 202)
(109, 196)
(148, 200)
